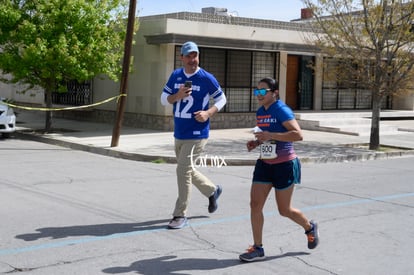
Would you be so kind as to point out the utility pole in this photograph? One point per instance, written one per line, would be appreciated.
(125, 70)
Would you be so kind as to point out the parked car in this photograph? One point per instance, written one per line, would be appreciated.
(7, 119)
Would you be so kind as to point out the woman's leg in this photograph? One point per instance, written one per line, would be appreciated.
(283, 201)
(258, 196)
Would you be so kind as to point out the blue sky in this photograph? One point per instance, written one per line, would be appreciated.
(283, 10)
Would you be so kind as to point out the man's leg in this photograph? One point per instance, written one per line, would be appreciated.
(183, 170)
(204, 184)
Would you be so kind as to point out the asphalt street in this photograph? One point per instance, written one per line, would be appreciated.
(67, 211)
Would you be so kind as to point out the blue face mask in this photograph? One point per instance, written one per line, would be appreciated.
(261, 92)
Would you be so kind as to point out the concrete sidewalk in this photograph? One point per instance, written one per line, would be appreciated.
(227, 144)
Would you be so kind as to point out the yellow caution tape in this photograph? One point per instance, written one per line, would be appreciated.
(65, 108)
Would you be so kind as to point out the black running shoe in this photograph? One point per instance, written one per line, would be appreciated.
(253, 253)
(212, 200)
(313, 235)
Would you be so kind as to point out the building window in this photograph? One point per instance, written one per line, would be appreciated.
(77, 94)
(238, 72)
(340, 90)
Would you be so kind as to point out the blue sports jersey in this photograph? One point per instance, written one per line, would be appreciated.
(271, 120)
(204, 87)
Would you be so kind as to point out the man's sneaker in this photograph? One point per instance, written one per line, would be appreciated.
(313, 235)
(212, 200)
(254, 253)
(177, 223)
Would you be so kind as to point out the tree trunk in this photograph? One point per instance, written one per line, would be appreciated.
(374, 141)
(48, 124)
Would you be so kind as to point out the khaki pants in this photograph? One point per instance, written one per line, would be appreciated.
(185, 151)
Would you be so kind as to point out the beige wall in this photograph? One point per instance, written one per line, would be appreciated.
(317, 88)
(17, 93)
(403, 102)
(233, 31)
(152, 66)
(5, 90)
(147, 77)
(282, 75)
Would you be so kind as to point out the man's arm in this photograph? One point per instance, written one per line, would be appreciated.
(183, 92)
(219, 103)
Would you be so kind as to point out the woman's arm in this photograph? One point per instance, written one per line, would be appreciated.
(294, 133)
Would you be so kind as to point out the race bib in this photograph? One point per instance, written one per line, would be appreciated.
(268, 150)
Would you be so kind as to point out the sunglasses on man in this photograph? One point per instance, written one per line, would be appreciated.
(261, 92)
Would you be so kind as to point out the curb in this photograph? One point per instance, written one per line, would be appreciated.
(95, 150)
(364, 156)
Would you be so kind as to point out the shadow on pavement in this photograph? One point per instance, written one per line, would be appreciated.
(169, 265)
(96, 229)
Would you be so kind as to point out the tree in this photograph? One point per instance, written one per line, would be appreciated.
(47, 43)
(373, 41)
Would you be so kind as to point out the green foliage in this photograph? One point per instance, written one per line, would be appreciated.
(159, 161)
(48, 42)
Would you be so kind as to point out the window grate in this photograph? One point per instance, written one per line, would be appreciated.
(77, 94)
